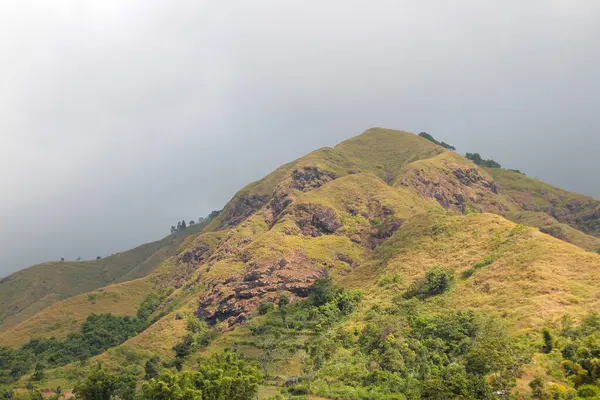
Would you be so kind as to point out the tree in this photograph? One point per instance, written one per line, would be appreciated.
(102, 385)
(38, 374)
(475, 157)
(265, 307)
(172, 387)
(97, 258)
(78, 259)
(6, 393)
(284, 301)
(183, 225)
(322, 292)
(152, 368)
(538, 390)
(173, 229)
(62, 259)
(269, 344)
(548, 341)
(192, 222)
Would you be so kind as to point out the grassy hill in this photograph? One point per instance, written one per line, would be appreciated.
(66, 316)
(26, 292)
(576, 210)
(438, 267)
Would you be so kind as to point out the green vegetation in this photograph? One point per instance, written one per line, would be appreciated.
(200, 335)
(427, 136)
(476, 158)
(436, 281)
(99, 333)
(478, 265)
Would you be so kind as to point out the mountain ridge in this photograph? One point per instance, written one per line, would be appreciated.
(379, 213)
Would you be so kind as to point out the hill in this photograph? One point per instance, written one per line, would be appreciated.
(386, 267)
(28, 291)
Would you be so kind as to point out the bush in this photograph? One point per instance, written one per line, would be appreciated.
(587, 391)
(436, 281)
(298, 390)
(265, 307)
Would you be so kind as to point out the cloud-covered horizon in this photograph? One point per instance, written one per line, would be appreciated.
(120, 117)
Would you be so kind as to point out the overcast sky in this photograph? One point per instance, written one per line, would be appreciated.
(118, 118)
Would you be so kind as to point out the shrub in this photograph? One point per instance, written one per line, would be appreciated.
(265, 307)
(436, 281)
(478, 265)
(587, 391)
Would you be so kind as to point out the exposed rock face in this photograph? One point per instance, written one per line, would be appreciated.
(198, 254)
(580, 213)
(241, 209)
(280, 201)
(310, 178)
(456, 187)
(232, 302)
(316, 220)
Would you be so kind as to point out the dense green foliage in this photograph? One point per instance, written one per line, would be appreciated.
(102, 385)
(581, 351)
(401, 353)
(98, 333)
(427, 136)
(199, 335)
(223, 376)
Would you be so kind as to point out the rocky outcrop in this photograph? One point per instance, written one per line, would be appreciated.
(241, 208)
(198, 254)
(310, 178)
(232, 302)
(456, 187)
(279, 202)
(316, 220)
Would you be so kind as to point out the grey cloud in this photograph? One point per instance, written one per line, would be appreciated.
(118, 118)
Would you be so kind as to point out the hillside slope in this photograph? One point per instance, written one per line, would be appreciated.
(576, 210)
(28, 291)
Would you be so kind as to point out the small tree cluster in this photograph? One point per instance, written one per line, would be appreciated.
(427, 136)
(183, 225)
(477, 159)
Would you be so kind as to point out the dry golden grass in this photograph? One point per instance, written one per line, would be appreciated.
(534, 277)
(66, 316)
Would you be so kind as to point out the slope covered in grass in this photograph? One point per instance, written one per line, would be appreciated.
(548, 224)
(579, 211)
(66, 316)
(43, 284)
